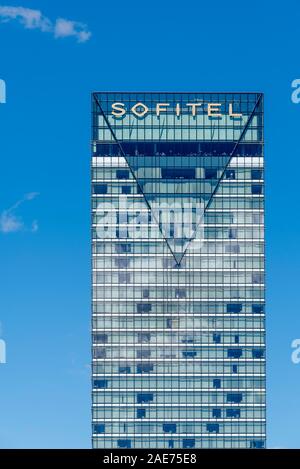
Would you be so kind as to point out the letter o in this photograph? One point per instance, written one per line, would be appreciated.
(139, 113)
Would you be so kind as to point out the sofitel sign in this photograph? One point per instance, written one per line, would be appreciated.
(141, 110)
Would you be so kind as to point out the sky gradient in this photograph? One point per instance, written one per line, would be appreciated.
(51, 63)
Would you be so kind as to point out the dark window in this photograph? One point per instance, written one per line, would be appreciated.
(230, 174)
(180, 292)
(236, 339)
(189, 354)
(143, 353)
(122, 262)
(216, 413)
(169, 427)
(124, 443)
(233, 413)
(257, 277)
(257, 309)
(234, 368)
(140, 413)
(121, 248)
(258, 444)
(99, 352)
(101, 338)
(144, 337)
(217, 338)
(256, 189)
(182, 173)
(126, 189)
(257, 353)
(211, 173)
(99, 428)
(144, 368)
(171, 444)
(144, 397)
(100, 383)
(256, 174)
(217, 383)
(212, 427)
(188, 443)
(122, 174)
(232, 233)
(234, 353)
(124, 369)
(144, 307)
(235, 398)
(100, 189)
(234, 308)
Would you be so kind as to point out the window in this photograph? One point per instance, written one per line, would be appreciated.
(124, 277)
(235, 398)
(216, 413)
(234, 308)
(211, 173)
(144, 337)
(233, 413)
(257, 353)
(258, 444)
(182, 173)
(256, 189)
(188, 443)
(169, 427)
(257, 277)
(230, 174)
(140, 413)
(180, 293)
(126, 189)
(144, 307)
(217, 338)
(124, 443)
(256, 174)
(99, 428)
(100, 383)
(122, 174)
(232, 233)
(212, 427)
(189, 354)
(234, 353)
(257, 309)
(217, 383)
(144, 397)
(144, 368)
(100, 189)
(124, 369)
(101, 338)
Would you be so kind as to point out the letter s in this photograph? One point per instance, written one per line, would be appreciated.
(295, 94)
(296, 353)
(119, 107)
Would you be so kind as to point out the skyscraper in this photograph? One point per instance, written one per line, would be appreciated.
(178, 270)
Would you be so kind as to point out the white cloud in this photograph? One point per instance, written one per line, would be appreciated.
(65, 28)
(10, 222)
(34, 19)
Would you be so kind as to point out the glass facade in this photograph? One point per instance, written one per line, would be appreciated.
(178, 270)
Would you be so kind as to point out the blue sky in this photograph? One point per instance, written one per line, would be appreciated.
(50, 71)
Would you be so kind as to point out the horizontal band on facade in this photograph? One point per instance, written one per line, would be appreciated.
(170, 405)
(191, 435)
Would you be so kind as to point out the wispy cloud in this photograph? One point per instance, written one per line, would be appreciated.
(11, 222)
(34, 19)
